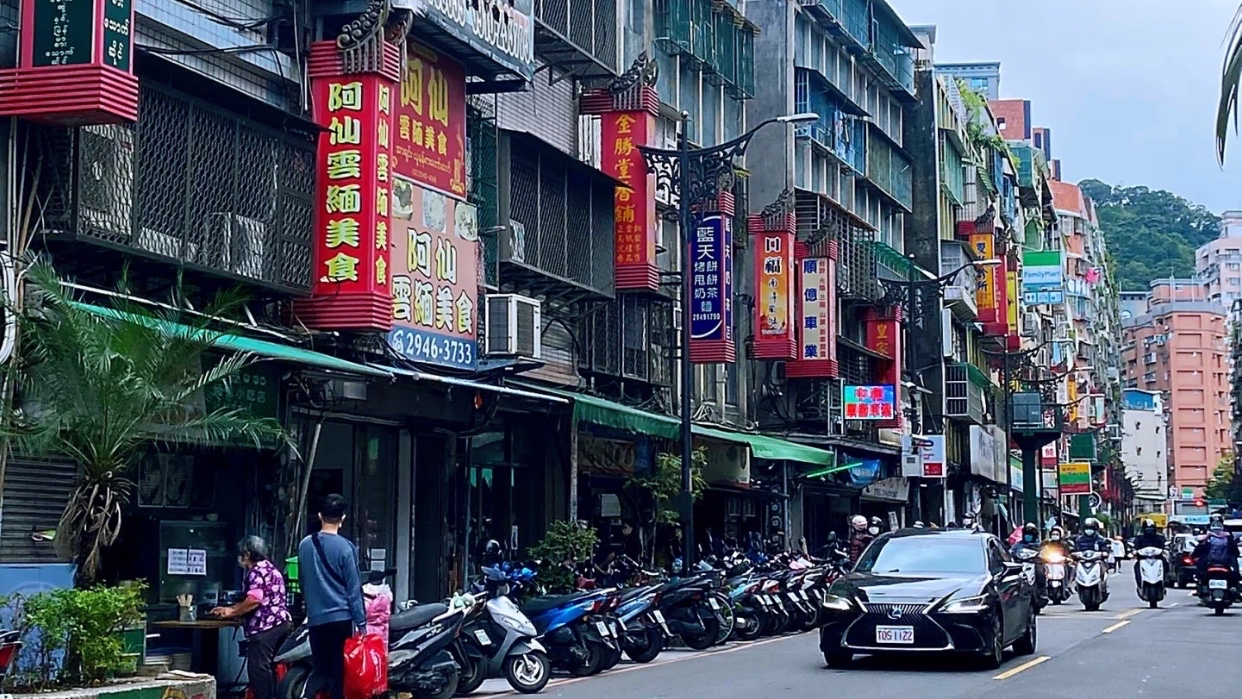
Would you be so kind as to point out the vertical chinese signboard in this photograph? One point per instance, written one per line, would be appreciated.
(430, 121)
(634, 204)
(349, 281)
(434, 277)
(711, 291)
(985, 278)
(75, 64)
(774, 286)
(1012, 303)
(884, 336)
(817, 316)
(435, 240)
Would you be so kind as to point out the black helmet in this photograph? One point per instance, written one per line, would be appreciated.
(1149, 525)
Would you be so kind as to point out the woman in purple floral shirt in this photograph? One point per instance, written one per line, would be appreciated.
(266, 614)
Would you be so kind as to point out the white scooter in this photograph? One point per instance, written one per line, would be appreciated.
(1055, 568)
(1151, 575)
(1091, 579)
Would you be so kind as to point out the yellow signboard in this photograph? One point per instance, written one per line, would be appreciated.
(1075, 478)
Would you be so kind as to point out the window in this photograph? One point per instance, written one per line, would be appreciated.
(1138, 451)
(915, 554)
(1000, 123)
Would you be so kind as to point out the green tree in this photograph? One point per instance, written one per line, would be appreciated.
(100, 389)
(663, 489)
(1222, 486)
(1151, 233)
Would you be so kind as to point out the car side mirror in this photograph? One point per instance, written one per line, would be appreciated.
(1010, 568)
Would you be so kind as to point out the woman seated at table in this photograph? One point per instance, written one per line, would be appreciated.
(265, 611)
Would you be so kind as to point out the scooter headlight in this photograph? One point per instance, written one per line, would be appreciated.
(1053, 557)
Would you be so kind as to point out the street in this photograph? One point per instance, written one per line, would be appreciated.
(1124, 650)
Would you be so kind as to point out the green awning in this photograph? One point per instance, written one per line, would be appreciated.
(239, 343)
(600, 411)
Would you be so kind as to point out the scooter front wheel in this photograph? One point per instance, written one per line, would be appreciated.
(528, 673)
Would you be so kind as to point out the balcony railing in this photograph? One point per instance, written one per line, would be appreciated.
(189, 184)
(837, 131)
(891, 54)
(717, 41)
(578, 33)
(952, 171)
(890, 171)
(820, 220)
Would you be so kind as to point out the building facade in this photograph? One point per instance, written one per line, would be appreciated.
(1179, 348)
(1144, 448)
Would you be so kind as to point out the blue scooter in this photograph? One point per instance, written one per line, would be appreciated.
(578, 636)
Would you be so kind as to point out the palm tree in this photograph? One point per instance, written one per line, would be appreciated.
(1230, 80)
(101, 388)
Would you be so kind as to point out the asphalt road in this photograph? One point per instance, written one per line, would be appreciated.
(1123, 650)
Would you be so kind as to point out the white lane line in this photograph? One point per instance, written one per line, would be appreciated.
(1023, 667)
(1173, 605)
(1129, 614)
(1116, 626)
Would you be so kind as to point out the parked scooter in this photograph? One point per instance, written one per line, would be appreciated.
(499, 640)
(1151, 575)
(577, 641)
(419, 661)
(1090, 579)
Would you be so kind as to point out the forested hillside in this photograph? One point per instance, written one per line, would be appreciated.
(1151, 233)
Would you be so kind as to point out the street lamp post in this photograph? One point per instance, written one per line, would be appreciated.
(694, 176)
(909, 291)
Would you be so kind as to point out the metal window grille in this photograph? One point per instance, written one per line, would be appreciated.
(482, 187)
(820, 220)
(189, 183)
(568, 219)
(591, 25)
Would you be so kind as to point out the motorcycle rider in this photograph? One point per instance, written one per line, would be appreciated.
(875, 526)
(1217, 548)
(1147, 538)
(1030, 542)
(860, 538)
(1090, 538)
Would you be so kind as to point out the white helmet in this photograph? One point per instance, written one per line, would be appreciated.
(858, 522)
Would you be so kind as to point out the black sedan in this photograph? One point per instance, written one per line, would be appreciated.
(929, 591)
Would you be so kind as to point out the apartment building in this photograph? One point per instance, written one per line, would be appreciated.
(1178, 348)
(1144, 447)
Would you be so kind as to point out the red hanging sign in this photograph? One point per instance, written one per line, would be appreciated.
(816, 314)
(774, 286)
(884, 337)
(634, 205)
(429, 139)
(350, 273)
(76, 64)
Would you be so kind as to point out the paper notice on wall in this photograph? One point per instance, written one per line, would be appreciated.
(178, 562)
(196, 562)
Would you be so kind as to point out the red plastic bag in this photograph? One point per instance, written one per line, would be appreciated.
(366, 667)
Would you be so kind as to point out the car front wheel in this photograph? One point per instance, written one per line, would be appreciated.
(994, 655)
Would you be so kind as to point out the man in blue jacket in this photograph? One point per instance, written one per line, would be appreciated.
(328, 573)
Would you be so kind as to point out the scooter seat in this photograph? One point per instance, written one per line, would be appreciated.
(540, 605)
(415, 617)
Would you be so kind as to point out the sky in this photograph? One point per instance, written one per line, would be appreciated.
(1128, 87)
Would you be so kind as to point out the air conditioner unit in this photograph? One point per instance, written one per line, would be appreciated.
(106, 180)
(513, 326)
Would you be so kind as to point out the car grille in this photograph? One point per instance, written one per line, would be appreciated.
(905, 609)
(928, 635)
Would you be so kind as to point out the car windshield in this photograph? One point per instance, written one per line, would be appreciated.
(917, 555)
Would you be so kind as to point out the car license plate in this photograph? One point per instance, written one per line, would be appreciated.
(1218, 584)
(894, 635)
(602, 628)
(712, 601)
(483, 637)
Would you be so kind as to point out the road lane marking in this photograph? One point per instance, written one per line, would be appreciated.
(1023, 667)
(1173, 605)
(1129, 614)
(1116, 626)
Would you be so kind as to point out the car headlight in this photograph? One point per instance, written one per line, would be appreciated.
(969, 605)
(839, 604)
